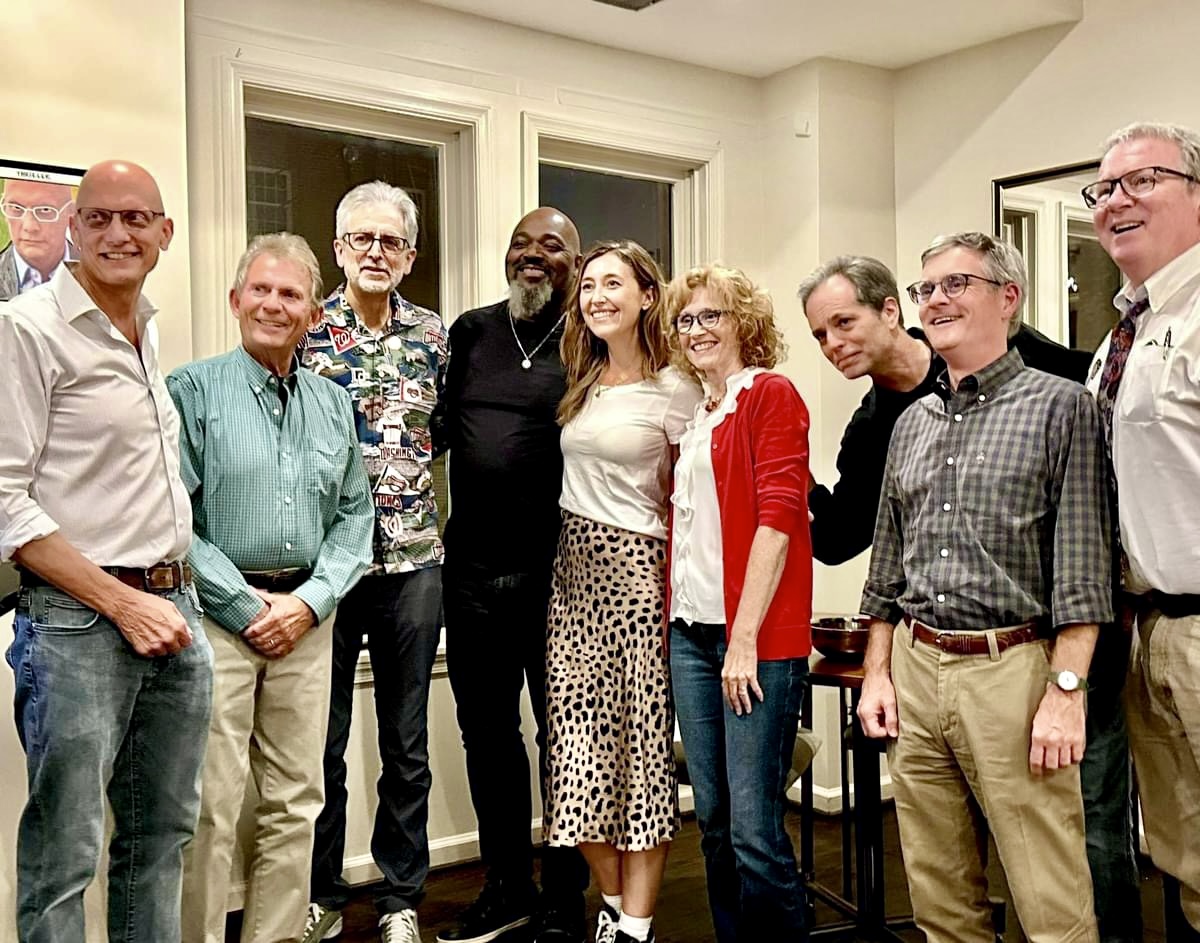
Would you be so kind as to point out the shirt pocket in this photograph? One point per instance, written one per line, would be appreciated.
(1143, 383)
(326, 470)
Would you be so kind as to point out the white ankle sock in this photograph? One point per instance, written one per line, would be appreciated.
(636, 927)
(613, 901)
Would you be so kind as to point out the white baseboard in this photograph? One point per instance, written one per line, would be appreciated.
(828, 799)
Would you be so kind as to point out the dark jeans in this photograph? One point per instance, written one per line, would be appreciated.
(495, 644)
(1108, 822)
(738, 767)
(400, 614)
(96, 719)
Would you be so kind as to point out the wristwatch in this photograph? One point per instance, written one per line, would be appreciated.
(1068, 680)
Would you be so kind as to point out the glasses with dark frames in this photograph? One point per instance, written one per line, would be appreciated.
(707, 319)
(98, 219)
(952, 286)
(362, 242)
(1135, 183)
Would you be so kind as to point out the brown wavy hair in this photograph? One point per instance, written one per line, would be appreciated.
(584, 355)
(748, 307)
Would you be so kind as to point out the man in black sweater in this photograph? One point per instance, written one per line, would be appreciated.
(503, 386)
(853, 308)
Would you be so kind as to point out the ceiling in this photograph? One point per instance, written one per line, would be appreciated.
(761, 37)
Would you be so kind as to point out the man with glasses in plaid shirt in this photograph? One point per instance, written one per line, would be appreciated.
(989, 578)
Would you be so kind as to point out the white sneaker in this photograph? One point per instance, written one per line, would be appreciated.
(321, 924)
(400, 927)
(606, 924)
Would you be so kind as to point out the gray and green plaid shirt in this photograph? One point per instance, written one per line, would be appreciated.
(993, 510)
(277, 481)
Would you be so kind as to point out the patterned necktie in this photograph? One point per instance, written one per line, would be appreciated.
(1114, 367)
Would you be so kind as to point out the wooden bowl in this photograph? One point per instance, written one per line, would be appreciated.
(843, 638)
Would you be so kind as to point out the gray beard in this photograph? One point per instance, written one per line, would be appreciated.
(526, 302)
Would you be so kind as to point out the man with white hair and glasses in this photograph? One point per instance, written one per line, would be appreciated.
(1146, 212)
(989, 577)
(37, 212)
(391, 356)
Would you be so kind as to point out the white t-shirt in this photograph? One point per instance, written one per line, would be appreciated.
(616, 451)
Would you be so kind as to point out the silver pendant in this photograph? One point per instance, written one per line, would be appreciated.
(526, 364)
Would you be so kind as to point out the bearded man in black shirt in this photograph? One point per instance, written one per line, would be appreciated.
(503, 386)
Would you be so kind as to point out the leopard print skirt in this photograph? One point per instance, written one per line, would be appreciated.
(610, 721)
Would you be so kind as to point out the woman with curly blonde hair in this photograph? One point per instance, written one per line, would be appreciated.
(741, 597)
(610, 723)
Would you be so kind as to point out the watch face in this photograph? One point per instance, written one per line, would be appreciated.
(1067, 680)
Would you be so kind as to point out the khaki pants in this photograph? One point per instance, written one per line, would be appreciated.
(268, 720)
(1162, 700)
(961, 767)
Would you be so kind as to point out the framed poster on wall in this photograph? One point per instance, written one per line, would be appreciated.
(36, 201)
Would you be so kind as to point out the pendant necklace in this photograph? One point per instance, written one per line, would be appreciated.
(527, 362)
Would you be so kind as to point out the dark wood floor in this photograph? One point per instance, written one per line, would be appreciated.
(682, 915)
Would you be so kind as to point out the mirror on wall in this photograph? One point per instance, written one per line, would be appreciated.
(1072, 280)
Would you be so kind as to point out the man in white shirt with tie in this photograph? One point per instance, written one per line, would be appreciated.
(36, 212)
(1146, 211)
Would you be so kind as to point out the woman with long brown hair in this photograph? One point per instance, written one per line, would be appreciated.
(610, 722)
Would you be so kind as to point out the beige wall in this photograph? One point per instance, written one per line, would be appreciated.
(79, 86)
(1038, 100)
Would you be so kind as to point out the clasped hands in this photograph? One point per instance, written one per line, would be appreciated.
(278, 626)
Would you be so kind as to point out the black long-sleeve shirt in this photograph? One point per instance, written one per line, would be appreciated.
(844, 517)
(498, 423)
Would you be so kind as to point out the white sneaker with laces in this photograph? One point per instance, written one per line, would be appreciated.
(399, 927)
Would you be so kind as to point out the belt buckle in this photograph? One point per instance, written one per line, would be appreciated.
(944, 641)
(161, 577)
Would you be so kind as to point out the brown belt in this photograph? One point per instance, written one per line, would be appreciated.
(277, 581)
(973, 643)
(160, 578)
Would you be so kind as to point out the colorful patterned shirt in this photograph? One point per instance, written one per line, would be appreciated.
(395, 378)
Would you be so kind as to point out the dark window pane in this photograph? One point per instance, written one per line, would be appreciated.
(609, 206)
(295, 177)
(1092, 281)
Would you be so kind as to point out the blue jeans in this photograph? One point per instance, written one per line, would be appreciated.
(400, 614)
(97, 719)
(738, 767)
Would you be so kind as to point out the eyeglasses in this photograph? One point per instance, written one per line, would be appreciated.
(43, 214)
(98, 219)
(952, 286)
(1135, 183)
(362, 242)
(707, 319)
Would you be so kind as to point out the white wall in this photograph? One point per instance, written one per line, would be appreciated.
(82, 82)
(1038, 100)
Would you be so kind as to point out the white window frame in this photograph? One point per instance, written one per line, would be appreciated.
(460, 130)
(692, 167)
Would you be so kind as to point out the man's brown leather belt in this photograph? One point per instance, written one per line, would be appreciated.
(278, 581)
(973, 643)
(160, 578)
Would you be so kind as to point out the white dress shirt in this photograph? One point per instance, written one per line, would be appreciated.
(89, 442)
(28, 277)
(697, 551)
(616, 451)
(1156, 430)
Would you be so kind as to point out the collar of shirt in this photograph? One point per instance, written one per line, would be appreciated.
(983, 384)
(29, 277)
(1177, 275)
(404, 313)
(260, 377)
(75, 302)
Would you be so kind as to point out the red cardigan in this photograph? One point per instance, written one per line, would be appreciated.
(760, 463)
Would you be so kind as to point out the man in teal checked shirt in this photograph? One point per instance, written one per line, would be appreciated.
(282, 530)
